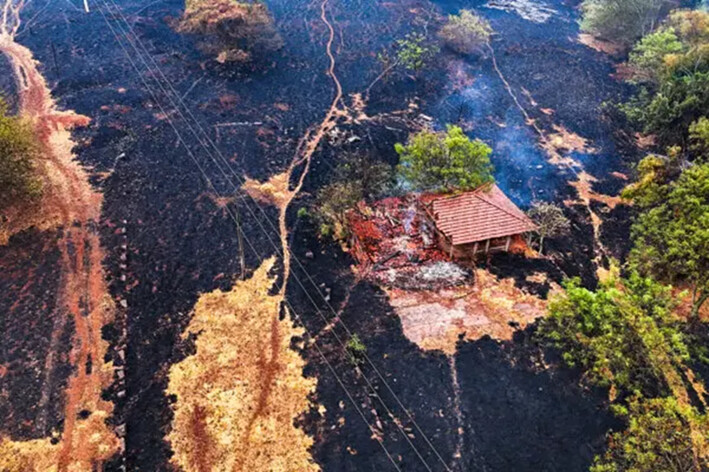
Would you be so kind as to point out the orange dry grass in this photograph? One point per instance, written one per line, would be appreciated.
(435, 320)
(274, 191)
(238, 396)
(600, 45)
(563, 141)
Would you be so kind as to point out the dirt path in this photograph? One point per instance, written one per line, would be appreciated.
(307, 147)
(86, 440)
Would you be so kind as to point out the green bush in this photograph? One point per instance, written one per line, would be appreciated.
(621, 21)
(466, 32)
(671, 68)
(658, 438)
(356, 350)
(623, 335)
(19, 153)
(357, 178)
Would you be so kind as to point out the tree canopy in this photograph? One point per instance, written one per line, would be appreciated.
(19, 153)
(671, 67)
(658, 438)
(444, 161)
(357, 178)
(671, 233)
(623, 335)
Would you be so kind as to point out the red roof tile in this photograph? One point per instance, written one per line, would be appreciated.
(481, 214)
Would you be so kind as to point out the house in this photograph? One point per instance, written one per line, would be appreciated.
(478, 221)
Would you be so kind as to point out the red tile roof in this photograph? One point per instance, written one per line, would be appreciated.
(479, 215)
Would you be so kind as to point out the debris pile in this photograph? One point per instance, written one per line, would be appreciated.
(395, 246)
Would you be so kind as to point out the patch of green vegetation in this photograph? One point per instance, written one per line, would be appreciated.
(19, 153)
(444, 161)
(671, 233)
(414, 52)
(622, 21)
(356, 350)
(356, 179)
(466, 33)
(670, 66)
(658, 438)
(624, 335)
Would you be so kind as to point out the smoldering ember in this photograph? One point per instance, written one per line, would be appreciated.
(354, 235)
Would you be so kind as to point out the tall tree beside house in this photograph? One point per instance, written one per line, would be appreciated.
(550, 221)
(671, 233)
(444, 161)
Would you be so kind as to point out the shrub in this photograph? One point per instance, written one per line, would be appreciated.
(19, 153)
(357, 178)
(356, 350)
(621, 21)
(466, 33)
(658, 438)
(233, 31)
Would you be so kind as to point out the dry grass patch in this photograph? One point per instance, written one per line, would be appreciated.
(239, 395)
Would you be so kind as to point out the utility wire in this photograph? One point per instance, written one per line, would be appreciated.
(209, 182)
(265, 217)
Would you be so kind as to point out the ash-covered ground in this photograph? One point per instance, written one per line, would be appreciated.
(169, 237)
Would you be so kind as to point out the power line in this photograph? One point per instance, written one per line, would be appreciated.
(190, 153)
(225, 162)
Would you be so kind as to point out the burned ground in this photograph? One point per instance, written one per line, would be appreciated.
(169, 237)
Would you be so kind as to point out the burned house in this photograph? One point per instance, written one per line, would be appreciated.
(480, 221)
(404, 241)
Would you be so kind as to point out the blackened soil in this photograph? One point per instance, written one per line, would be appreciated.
(514, 410)
(29, 314)
(167, 240)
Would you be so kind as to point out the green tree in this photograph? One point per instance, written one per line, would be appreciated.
(647, 59)
(466, 32)
(357, 178)
(621, 21)
(671, 67)
(19, 154)
(671, 234)
(444, 161)
(550, 220)
(658, 438)
(623, 335)
(414, 52)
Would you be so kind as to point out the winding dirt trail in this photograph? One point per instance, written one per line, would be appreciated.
(307, 147)
(86, 441)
